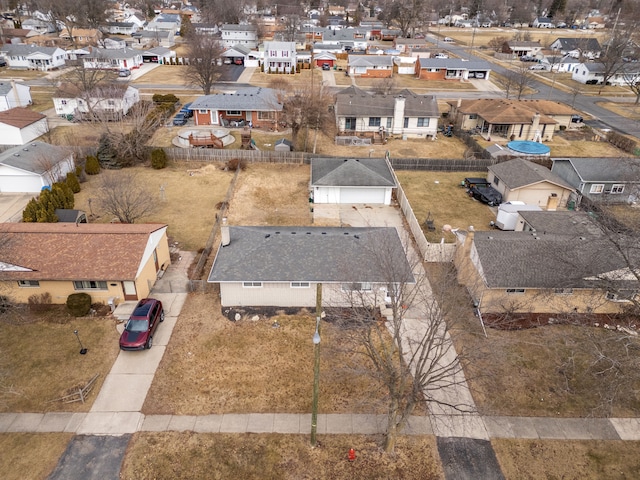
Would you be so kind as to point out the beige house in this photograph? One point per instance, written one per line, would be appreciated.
(111, 262)
(559, 265)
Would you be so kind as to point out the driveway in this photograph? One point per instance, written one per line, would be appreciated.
(12, 205)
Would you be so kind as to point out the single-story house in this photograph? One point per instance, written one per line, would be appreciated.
(451, 69)
(279, 57)
(157, 55)
(82, 36)
(543, 22)
(561, 265)
(372, 114)
(18, 35)
(112, 262)
(20, 125)
(348, 39)
(406, 45)
(110, 43)
(378, 66)
(206, 28)
(326, 48)
(560, 64)
(122, 28)
(113, 101)
(593, 73)
(605, 180)
(14, 94)
(511, 119)
(593, 23)
(252, 104)
(33, 57)
(528, 182)
(103, 58)
(522, 48)
(29, 169)
(41, 27)
(161, 38)
(324, 58)
(353, 180)
(268, 266)
(577, 47)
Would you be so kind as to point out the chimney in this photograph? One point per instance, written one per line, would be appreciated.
(16, 93)
(224, 232)
(535, 125)
(398, 114)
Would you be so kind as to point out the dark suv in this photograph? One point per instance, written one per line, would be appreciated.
(142, 324)
(486, 194)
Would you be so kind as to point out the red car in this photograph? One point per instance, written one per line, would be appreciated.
(142, 324)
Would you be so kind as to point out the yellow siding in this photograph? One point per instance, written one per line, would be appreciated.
(59, 291)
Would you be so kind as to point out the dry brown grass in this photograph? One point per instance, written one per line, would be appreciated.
(191, 193)
(163, 74)
(446, 200)
(415, 84)
(80, 134)
(270, 194)
(250, 366)
(41, 98)
(627, 110)
(535, 459)
(270, 456)
(30, 455)
(18, 75)
(41, 360)
(304, 79)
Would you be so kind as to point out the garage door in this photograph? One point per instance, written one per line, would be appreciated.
(362, 195)
(20, 184)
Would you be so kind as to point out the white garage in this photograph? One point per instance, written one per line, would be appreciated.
(349, 181)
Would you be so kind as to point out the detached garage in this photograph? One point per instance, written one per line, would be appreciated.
(365, 180)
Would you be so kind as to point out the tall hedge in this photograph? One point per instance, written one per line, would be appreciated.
(72, 182)
(158, 158)
(92, 166)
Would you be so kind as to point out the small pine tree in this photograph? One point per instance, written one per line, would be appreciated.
(30, 212)
(158, 158)
(72, 182)
(79, 304)
(92, 166)
(106, 154)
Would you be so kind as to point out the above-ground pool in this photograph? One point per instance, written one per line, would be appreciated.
(527, 147)
(182, 140)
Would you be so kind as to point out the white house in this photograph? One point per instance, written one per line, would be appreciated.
(120, 28)
(114, 100)
(20, 125)
(246, 35)
(165, 22)
(33, 57)
(279, 57)
(577, 47)
(543, 22)
(379, 66)
(14, 94)
(28, 169)
(103, 58)
(593, 74)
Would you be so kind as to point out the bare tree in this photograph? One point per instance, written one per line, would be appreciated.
(517, 81)
(612, 58)
(385, 86)
(496, 43)
(632, 80)
(122, 195)
(203, 52)
(306, 108)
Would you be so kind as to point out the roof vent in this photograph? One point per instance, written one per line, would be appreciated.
(267, 235)
(277, 233)
(16, 154)
(293, 233)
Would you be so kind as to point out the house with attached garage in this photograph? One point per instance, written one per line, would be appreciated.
(264, 266)
(112, 262)
(593, 74)
(451, 69)
(529, 182)
(577, 47)
(21, 125)
(33, 57)
(258, 105)
(601, 180)
(361, 180)
(30, 168)
(561, 264)
(376, 115)
(522, 48)
(377, 66)
(104, 58)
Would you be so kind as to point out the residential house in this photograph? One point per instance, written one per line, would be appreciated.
(324, 58)
(14, 94)
(266, 266)
(349, 39)
(377, 115)
(82, 36)
(593, 23)
(560, 64)
(157, 55)
(352, 180)
(33, 57)
(165, 22)
(39, 26)
(120, 28)
(162, 38)
(103, 58)
(246, 35)
(279, 57)
(17, 35)
(522, 48)
(206, 28)
(20, 125)
(407, 45)
(529, 182)
(510, 119)
(593, 74)
(258, 105)
(451, 69)
(601, 180)
(112, 43)
(579, 48)
(332, 48)
(34, 167)
(110, 102)
(562, 265)
(543, 22)
(112, 262)
(376, 66)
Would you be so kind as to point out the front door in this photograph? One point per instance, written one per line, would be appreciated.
(129, 289)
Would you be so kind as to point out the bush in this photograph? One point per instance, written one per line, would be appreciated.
(622, 142)
(40, 302)
(235, 163)
(169, 98)
(158, 158)
(79, 304)
(72, 182)
(92, 166)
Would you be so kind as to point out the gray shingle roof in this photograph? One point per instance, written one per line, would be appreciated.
(566, 222)
(519, 173)
(364, 172)
(20, 49)
(353, 101)
(253, 99)
(623, 170)
(588, 44)
(36, 157)
(312, 254)
(113, 53)
(453, 63)
(370, 61)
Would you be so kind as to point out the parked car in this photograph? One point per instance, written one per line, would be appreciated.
(576, 119)
(326, 66)
(142, 324)
(227, 61)
(486, 194)
(180, 119)
(124, 72)
(441, 55)
(537, 67)
(3, 62)
(238, 61)
(185, 110)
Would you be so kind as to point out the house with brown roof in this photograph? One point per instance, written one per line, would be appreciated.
(511, 119)
(21, 125)
(81, 36)
(112, 262)
(522, 48)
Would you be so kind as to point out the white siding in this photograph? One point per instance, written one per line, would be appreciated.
(362, 195)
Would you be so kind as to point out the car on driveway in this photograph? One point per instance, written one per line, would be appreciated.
(142, 324)
(577, 119)
(185, 110)
(180, 119)
(486, 194)
(537, 67)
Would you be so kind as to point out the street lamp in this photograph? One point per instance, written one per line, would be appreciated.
(82, 349)
(316, 382)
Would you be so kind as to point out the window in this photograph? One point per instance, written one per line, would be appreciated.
(423, 122)
(252, 284)
(515, 290)
(563, 291)
(389, 123)
(266, 115)
(28, 283)
(89, 285)
(597, 188)
(356, 287)
(63, 102)
(111, 102)
(617, 188)
(235, 113)
(621, 296)
(374, 121)
(203, 112)
(473, 116)
(300, 285)
(496, 181)
(406, 122)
